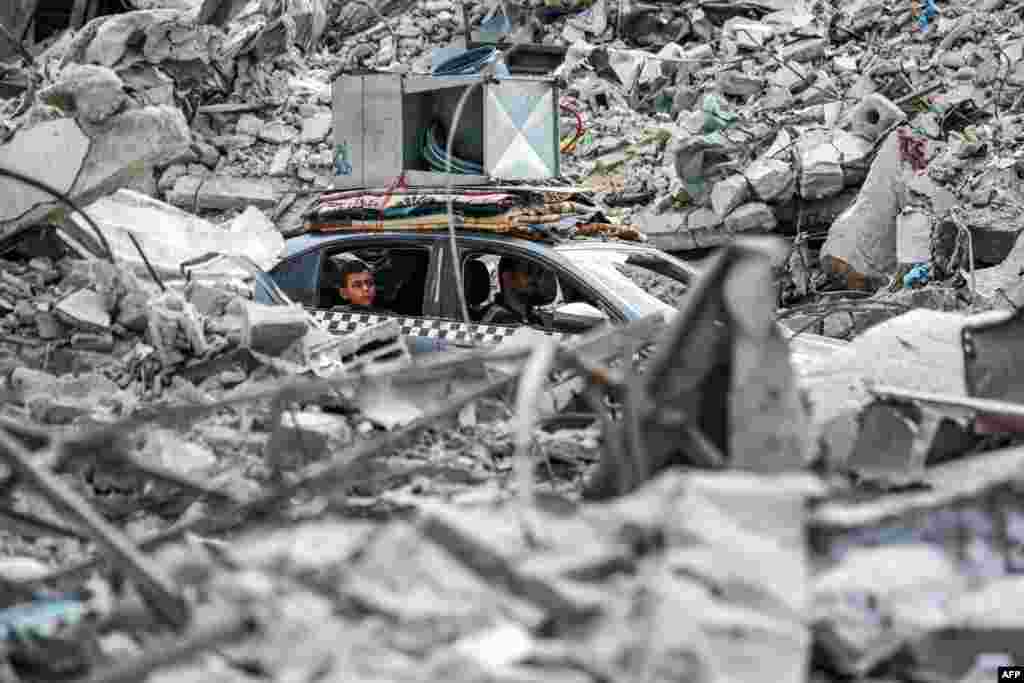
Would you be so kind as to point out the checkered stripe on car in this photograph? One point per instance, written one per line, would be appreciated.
(338, 322)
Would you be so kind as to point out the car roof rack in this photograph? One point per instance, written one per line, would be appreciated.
(534, 233)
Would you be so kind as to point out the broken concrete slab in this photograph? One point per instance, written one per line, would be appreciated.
(874, 115)
(32, 151)
(84, 309)
(91, 92)
(748, 33)
(269, 329)
(222, 192)
(864, 236)
(854, 153)
(754, 216)
(772, 180)
(702, 219)
(699, 229)
(902, 582)
(158, 35)
(913, 237)
(129, 146)
(661, 229)
(230, 142)
(166, 448)
(729, 193)
(170, 176)
(170, 236)
(804, 50)
(175, 329)
(821, 170)
(279, 164)
(149, 84)
(316, 128)
(277, 133)
(739, 84)
(919, 350)
(250, 125)
(304, 436)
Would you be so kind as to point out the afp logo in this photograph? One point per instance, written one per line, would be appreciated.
(1011, 673)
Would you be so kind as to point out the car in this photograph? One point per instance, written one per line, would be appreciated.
(592, 281)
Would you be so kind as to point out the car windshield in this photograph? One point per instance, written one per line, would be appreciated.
(647, 281)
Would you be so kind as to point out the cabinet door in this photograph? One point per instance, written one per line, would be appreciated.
(347, 96)
(383, 135)
(521, 124)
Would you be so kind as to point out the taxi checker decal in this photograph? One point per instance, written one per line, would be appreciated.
(346, 322)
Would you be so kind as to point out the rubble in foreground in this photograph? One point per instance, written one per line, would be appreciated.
(884, 145)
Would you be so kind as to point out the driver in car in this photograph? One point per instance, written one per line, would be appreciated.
(357, 288)
(521, 286)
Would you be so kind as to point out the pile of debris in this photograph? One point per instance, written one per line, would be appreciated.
(894, 159)
(884, 146)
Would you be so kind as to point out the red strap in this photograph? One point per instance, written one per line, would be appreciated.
(399, 182)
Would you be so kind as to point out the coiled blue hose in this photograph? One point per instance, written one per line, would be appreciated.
(436, 157)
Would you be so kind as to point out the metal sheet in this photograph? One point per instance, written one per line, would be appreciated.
(383, 129)
(348, 132)
(521, 123)
(417, 84)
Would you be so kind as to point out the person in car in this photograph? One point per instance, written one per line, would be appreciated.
(520, 285)
(357, 288)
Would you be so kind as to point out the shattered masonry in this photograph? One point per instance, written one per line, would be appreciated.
(265, 523)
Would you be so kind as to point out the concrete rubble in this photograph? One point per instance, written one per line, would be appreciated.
(377, 529)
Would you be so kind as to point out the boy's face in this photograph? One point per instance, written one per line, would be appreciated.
(360, 289)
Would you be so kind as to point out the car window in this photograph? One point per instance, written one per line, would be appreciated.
(399, 274)
(549, 292)
(297, 277)
(648, 282)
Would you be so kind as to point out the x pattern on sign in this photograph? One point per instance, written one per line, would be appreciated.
(521, 131)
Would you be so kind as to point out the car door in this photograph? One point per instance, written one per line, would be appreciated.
(570, 290)
(409, 288)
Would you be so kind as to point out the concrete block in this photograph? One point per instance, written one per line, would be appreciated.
(52, 152)
(854, 154)
(821, 170)
(222, 192)
(739, 84)
(755, 216)
(84, 309)
(316, 128)
(729, 193)
(89, 91)
(804, 50)
(874, 115)
(771, 180)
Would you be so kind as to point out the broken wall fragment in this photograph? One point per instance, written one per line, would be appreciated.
(863, 238)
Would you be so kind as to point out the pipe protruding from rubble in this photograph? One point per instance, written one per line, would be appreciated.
(64, 199)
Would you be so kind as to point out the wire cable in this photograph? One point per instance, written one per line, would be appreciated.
(580, 128)
(149, 266)
(452, 241)
(487, 75)
(64, 199)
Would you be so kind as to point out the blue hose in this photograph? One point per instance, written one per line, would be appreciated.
(435, 156)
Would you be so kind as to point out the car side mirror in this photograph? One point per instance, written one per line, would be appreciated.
(578, 317)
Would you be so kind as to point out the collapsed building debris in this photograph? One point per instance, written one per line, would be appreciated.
(882, 140)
